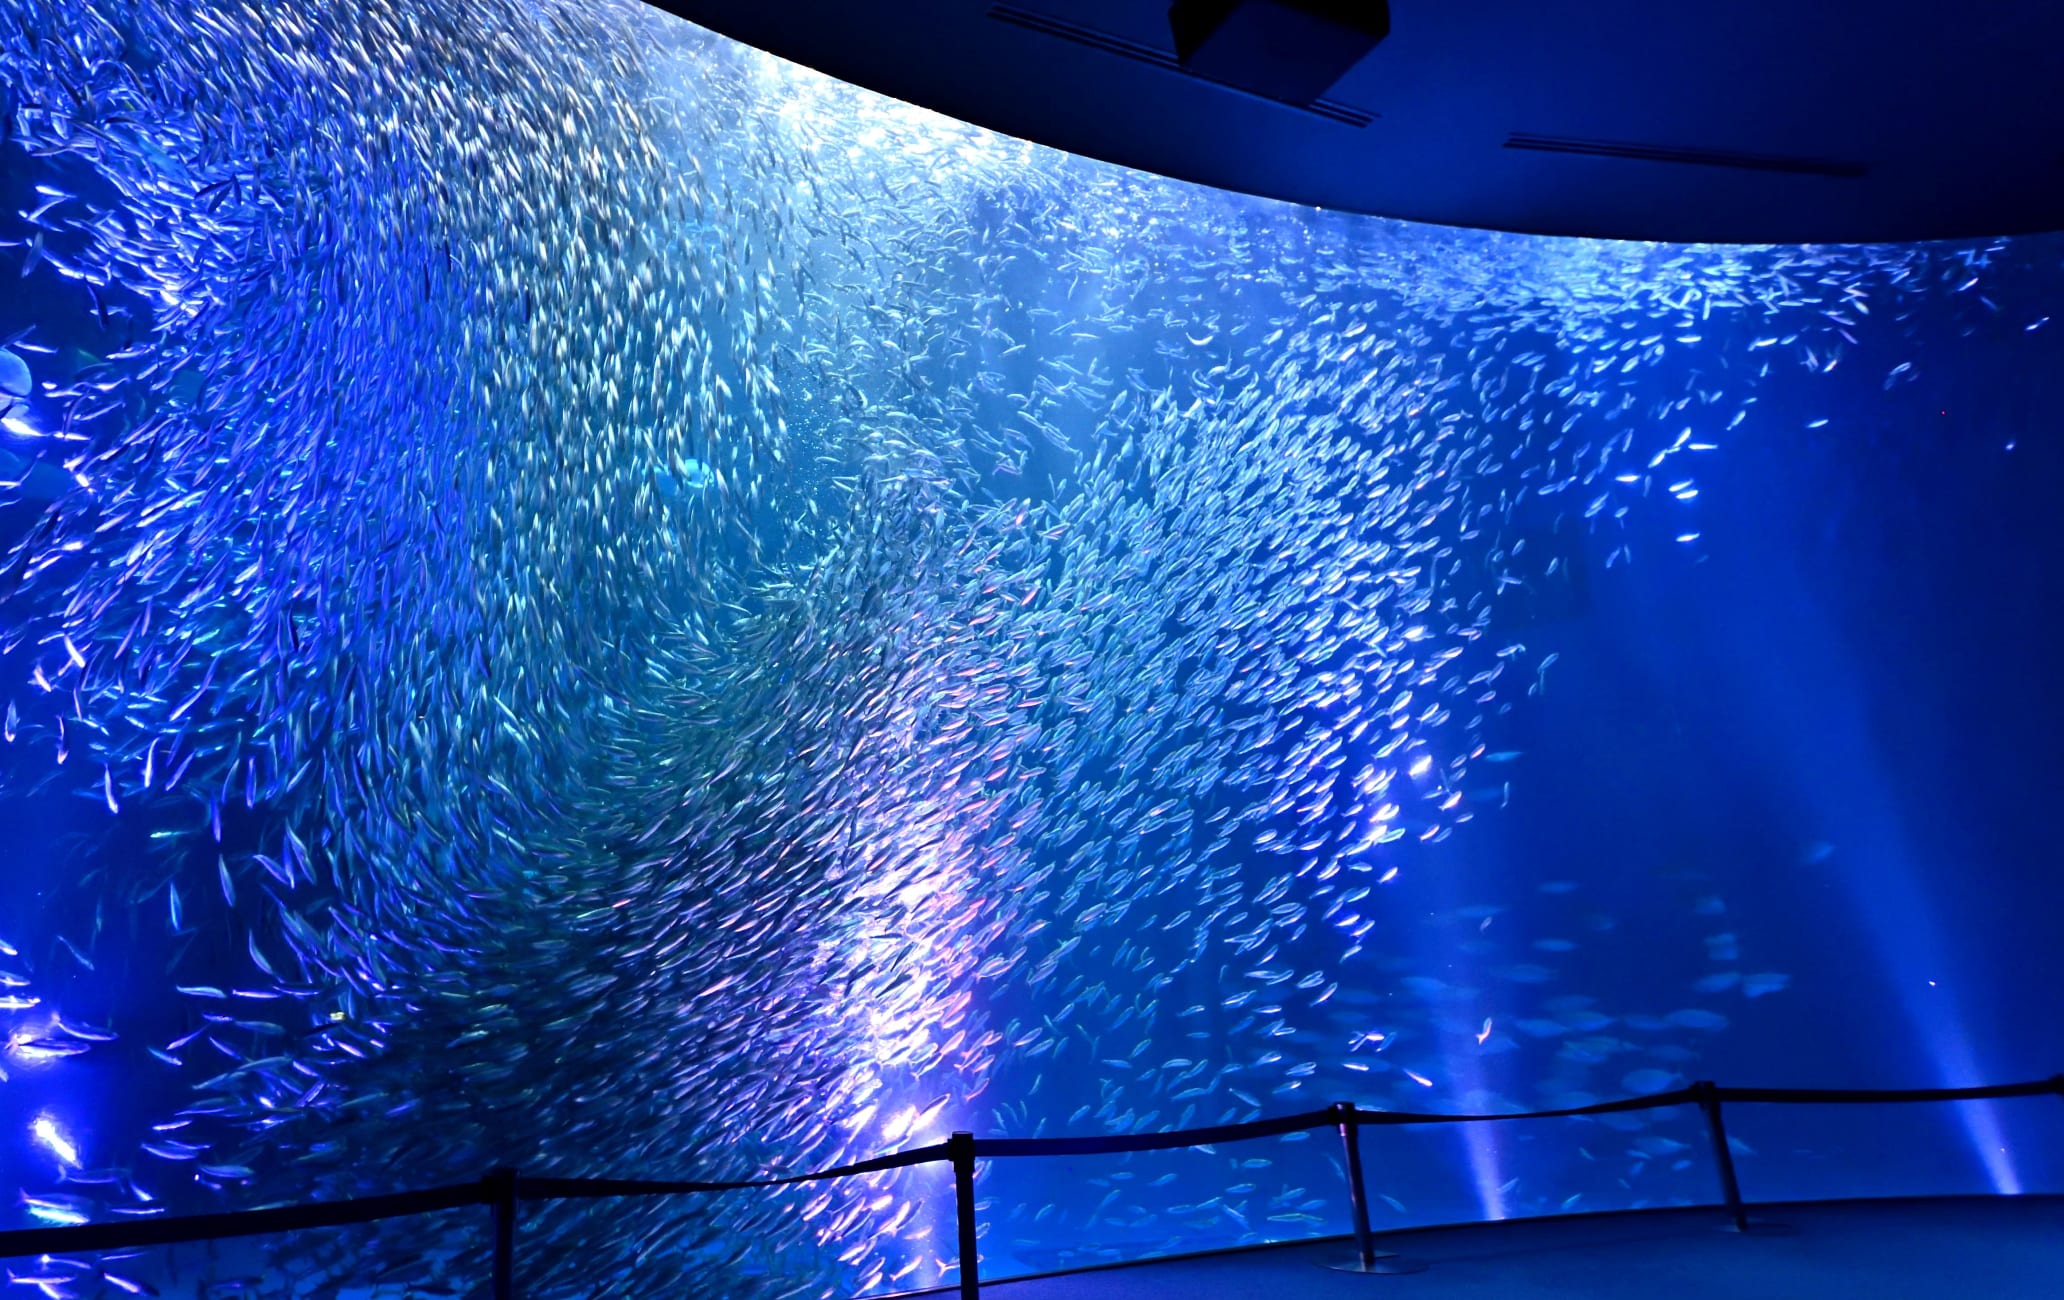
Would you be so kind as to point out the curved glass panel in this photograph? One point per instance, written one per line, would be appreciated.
(577, 597)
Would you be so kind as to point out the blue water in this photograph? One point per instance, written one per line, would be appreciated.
(578, 597)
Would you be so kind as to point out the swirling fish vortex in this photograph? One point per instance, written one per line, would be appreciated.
(657, 614)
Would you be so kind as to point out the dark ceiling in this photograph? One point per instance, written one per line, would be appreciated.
(1760, 120)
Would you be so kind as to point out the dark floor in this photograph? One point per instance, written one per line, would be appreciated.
(1962, 1248)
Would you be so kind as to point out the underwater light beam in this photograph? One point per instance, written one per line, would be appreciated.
(1483, 1167)
(1911, 942)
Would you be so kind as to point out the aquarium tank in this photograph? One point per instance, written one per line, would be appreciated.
(580, 598)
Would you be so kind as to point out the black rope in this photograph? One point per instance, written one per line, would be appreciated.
(1861, 1096)
(568, 1189)
(1188, 1137)
(240, 1223)
(1650, 1101)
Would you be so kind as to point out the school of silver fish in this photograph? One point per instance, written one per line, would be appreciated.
(636, 611)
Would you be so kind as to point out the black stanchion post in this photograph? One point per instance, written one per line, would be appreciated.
(961, 1148)
(1357, 1195)
(1730, 1187)
(1368, 1259)
(502, 1186)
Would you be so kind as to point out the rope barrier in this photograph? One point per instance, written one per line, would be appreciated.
(173, 1230)
(1188, 1137)
(567, 1189)
(1648, 1101)
(495, 1190)
(1823, 1096)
